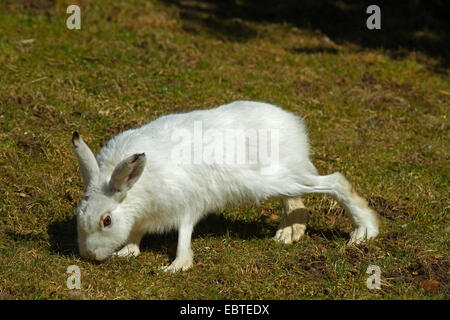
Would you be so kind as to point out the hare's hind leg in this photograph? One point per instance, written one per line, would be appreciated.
(337, 186)
(295, 218)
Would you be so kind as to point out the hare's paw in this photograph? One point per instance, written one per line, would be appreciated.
(290, 234)
(293, 226)
(178, 264)
(363, 233)
(130, 250)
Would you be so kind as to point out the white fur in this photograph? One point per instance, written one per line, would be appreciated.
(161, 195)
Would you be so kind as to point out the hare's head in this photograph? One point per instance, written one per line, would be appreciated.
(102, 221)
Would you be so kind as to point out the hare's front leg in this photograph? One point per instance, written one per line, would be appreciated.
(131, 249)
(293, 225)
(185, 256)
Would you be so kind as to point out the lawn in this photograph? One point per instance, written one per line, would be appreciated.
(376, 104)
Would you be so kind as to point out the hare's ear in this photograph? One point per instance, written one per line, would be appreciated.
(86, 159)
(125, 175)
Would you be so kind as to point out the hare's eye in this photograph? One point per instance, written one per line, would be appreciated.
(107, 221)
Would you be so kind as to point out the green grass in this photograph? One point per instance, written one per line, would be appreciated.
(379, 117)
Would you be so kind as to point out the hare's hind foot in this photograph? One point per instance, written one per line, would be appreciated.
(368, 228)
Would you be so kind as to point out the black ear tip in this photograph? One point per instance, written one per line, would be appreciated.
(75, 138)
(136, 157)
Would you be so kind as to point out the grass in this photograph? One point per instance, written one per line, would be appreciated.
(378, 114)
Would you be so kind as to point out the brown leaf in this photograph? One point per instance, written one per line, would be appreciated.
(429, 285)
(89, 58)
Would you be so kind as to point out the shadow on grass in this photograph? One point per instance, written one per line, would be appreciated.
(213, 225)
(328, 234)
(406, 26)
(63, 237)
(63, 234)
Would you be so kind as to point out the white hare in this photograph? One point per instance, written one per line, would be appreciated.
(173, 171)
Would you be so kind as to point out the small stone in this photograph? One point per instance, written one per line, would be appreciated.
(27, 41)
